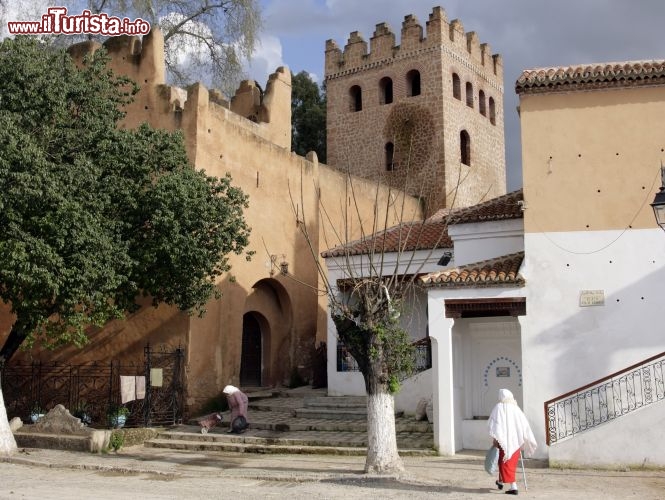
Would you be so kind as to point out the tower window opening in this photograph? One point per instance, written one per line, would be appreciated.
(481, 103)
(386, 87)
(469, 94)
(356, 94)
(390, 156)
(457, 91)
(492, 111)
(413, 82)
(465, 147)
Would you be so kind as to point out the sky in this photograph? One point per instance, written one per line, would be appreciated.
(527, 33)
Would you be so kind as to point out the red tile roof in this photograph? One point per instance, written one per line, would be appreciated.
(500, 208)
(422, 235)
(433, 232)
(500, 271)
(591, 76)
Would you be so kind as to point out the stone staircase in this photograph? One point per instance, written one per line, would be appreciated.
(298, 421)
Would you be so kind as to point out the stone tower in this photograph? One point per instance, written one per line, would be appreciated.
(425, 116)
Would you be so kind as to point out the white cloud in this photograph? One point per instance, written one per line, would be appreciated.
(267, 57)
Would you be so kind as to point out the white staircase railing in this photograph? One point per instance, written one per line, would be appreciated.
(611, 397)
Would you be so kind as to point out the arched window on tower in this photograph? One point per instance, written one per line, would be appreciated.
(386, 87)
(356, 95)
(469, 94)
(465, 147)
(390, 156)
(457, 91)
(413, 82)
(481, 103)
(492, 112)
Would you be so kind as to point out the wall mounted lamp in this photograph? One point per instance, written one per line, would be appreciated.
(658, 204)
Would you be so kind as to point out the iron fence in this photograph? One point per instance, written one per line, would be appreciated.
(92, 389)
(422, 361)
(604, 400)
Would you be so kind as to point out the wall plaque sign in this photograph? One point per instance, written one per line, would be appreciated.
(592, 298)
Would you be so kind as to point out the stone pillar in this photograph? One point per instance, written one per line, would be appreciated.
(440, 331)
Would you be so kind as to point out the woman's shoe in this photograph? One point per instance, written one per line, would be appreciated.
(511, 492)
(498, 485)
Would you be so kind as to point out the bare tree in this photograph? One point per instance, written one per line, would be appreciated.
(205, 40)
(366, 303)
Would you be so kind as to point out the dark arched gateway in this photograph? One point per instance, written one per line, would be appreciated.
(251, 359)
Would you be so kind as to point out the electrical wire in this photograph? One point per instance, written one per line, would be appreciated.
(560, 247)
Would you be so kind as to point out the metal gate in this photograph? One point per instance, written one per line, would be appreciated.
(94, 388)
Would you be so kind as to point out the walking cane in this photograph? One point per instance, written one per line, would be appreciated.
(526, 488)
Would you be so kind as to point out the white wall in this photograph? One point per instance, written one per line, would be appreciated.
(413, 319)
(566, 346)
(452, 399)
(633, 440)
(412, 390)
(486, 240)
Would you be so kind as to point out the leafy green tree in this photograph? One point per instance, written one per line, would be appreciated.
(308, 116)
(93, 216)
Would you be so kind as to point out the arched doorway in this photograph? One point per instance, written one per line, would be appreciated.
(251, 360)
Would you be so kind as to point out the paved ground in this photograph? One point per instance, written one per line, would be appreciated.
(145, 473)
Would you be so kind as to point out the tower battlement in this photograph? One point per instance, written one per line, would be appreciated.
(419, 111)
(383, 48)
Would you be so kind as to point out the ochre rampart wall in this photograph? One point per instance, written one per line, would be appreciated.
(254, 147)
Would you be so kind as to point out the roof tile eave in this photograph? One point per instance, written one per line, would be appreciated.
(598, 75)
(498, 271)
(506, 284)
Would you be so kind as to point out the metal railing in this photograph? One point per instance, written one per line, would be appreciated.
(606, 399)
(422, 362)
(94, 388)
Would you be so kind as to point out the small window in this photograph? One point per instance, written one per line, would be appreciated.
(356, 94)
(390, 157)
(386, 87)
(469, 94)
(457, 91)
(465, 147)
(481, 103)
(413, 82)
(492, 112)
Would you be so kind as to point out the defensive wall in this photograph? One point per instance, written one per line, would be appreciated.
(248, 136)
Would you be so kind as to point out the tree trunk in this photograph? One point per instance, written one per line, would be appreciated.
(7, 441)
(16, 337)
(382, 456)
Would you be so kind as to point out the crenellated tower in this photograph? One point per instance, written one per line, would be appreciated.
(425, 115)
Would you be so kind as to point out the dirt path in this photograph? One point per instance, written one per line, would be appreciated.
(211, 476)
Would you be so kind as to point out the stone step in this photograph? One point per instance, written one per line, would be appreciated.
(300, 421)
(332, 413)
(337, 402)
(288, 423)
(336, 413)
(329, 403)
(277, 442)
(321, 438)
(271, 448)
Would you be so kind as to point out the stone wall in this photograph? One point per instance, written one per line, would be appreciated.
(284, 190)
